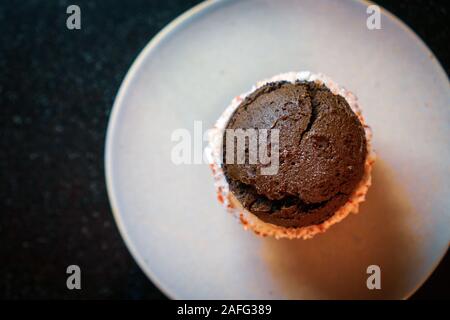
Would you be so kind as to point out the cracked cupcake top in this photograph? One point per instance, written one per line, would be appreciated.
(322, 150)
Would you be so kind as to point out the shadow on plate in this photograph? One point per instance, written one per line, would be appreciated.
(334, 265)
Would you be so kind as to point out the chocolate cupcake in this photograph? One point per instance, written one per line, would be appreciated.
(320, 160)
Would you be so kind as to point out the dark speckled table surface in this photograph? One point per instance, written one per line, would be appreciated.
(57, 88)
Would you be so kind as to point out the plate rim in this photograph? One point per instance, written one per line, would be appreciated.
(172, 26)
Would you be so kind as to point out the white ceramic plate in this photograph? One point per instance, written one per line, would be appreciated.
(168, 214)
